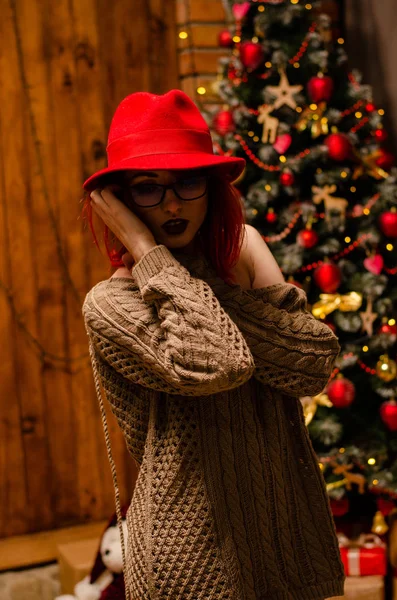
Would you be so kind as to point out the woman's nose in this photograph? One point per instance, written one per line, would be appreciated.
(171, 200)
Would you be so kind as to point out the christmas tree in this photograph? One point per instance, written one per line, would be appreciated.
(321, 189)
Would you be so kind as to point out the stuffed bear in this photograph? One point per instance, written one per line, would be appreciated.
(106, 581)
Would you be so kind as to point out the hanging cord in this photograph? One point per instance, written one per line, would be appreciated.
(98, 389)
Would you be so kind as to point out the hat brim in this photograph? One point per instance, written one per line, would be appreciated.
(230, 167)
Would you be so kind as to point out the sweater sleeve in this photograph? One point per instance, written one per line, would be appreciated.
(292, 350)
(166, 330)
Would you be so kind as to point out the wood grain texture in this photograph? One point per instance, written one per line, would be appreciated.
(64, 68)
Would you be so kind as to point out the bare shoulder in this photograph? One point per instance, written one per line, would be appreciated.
(265, 268)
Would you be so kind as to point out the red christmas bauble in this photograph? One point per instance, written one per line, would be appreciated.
(388, 413)
(339, 146)
(386, 160)
(388, 223)
(370, 107)
(385, 506)
(251, 55)
(381, 135)
(271, 216)
(341, 392)
(225, 39)
(307, 238)
(287, 178)
(340, 507)
(389, 329)
(328, 277)
(232, 73)
(223, 122)
(320, 89)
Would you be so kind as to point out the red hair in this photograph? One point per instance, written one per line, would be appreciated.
(221, 234)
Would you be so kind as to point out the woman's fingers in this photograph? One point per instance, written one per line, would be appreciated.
(128, 260)
(99, 196)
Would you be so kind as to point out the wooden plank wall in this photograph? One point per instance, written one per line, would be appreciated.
(64, 67)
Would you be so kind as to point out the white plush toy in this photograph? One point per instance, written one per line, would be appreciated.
(106, 581)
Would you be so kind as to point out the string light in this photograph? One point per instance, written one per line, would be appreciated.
(256, 139)
(343, 174)
(201, 90)
(283, 159)
(308, 6)
(341, 41)
(390, 247)
(358, 115)
(261, 8)
(268, 64)
(391, 322)
(352, 109)
(294, 1)
(365, 349)
(348, 240)
(296, 65)
(183, 35)
(381, 112)
(236, 39)
(255, 39)
(313, 107)
(353, 189)
(371, 461)
(268, 187)
(336, 257)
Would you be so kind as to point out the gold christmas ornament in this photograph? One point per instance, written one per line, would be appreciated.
(368, 317)
(386, 368)
(349, 478)
(328, 303)
(368, 165)
(310, 405)
(379, 525)
(270, 124)
(314, 116)
(331, 203)
(284, 92)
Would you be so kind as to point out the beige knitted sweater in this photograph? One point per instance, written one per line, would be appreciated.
(205, 379)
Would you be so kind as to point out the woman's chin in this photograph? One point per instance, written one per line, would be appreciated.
(175, 241)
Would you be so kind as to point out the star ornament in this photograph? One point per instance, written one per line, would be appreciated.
(284, 92)
(368, 317)
(368, 165)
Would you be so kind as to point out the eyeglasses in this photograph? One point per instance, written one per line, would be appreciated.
(151, 194)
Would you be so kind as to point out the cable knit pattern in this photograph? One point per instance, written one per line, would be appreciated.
(204, 379)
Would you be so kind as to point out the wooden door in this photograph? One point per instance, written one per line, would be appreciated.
(64, 67)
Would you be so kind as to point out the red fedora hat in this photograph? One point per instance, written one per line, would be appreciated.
(150, 131)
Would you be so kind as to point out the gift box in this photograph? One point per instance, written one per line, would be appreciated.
(76, 560)
(363, 588)
(364, 556)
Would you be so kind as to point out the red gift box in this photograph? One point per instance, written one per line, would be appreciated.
(363, 556)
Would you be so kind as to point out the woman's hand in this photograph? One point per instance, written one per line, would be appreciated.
(126, 226)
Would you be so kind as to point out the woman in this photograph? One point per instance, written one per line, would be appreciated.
(203, 351)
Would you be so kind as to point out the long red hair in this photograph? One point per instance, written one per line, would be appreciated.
(221, 235)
